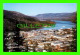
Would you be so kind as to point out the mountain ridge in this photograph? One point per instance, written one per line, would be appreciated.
(56, 16)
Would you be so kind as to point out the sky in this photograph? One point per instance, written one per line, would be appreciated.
(33, 9)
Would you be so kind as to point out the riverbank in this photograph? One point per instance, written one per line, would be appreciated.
(62, 40)
(50, 40)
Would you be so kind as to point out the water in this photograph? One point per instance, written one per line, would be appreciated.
(61, 25)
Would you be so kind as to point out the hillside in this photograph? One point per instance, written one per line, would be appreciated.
(12, 18)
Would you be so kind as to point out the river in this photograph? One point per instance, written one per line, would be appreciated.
(61, 25)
